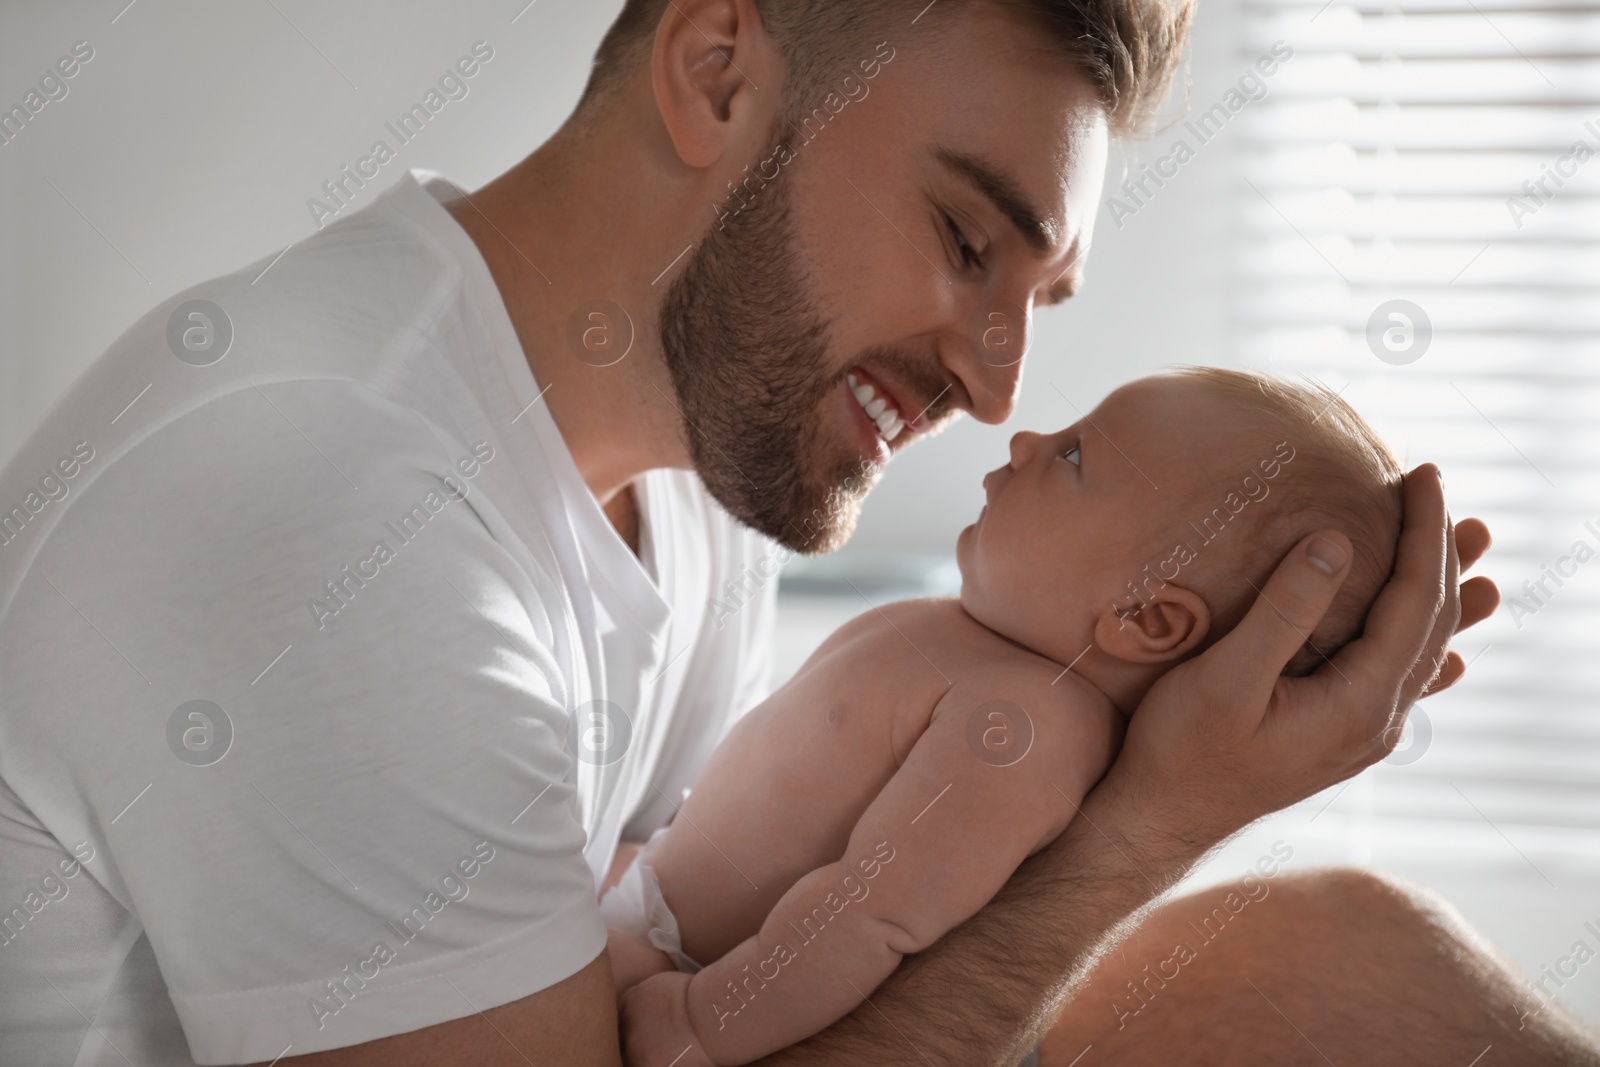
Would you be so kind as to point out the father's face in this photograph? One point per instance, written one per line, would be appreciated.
(876, 276)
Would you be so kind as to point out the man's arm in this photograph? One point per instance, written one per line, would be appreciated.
(573, 1023)
(1218, 743)
(989, 989)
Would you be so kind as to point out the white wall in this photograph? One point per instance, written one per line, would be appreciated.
(195, 135)
(193, 138)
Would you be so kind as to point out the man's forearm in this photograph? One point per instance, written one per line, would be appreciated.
(988, 990)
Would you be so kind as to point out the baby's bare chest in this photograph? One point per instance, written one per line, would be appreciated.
(837, 731)
(786, 788)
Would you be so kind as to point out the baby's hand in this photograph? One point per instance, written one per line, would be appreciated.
(655, 1024)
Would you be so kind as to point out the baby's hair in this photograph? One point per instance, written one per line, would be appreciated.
(1343, 477)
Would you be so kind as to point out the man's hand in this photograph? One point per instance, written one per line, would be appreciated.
(655, 1024)
(1225, 739)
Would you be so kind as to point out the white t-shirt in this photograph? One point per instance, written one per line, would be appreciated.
(301, 650)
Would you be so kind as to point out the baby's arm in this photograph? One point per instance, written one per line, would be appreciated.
(935, 845)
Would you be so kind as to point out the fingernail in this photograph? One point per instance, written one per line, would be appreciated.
(1327, 556)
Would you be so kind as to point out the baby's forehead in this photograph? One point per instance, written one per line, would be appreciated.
(1167, 394)
(1184, 423)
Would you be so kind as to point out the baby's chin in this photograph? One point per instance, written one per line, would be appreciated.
(974, 597)
(974, 603)
(963, 547)
(971, 595)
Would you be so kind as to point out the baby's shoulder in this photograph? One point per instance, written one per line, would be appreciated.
(988, 674)
(923, 622)
(1058, 715)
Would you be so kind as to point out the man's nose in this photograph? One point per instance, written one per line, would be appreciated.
(998, 339)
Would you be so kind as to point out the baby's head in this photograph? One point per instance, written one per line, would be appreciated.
(1144, 531)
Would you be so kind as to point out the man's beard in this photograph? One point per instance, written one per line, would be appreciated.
(748, 354)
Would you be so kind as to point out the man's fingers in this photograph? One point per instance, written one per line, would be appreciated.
(1393, 656)
(1435, 653)
(1454, 667)
(1472, 541)
(1445, 621)
(1480, 598)
(1287, 609)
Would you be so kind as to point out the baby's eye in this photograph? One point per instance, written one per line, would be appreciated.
(1071, 456)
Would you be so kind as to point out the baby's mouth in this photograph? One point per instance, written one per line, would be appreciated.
(879, 407)
(991, 485)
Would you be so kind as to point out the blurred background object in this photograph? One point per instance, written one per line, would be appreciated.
(1404, 203)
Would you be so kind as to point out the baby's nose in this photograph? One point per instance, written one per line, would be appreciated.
(1023, 444)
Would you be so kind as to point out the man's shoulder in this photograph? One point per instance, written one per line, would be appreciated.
(311, 341)
(342, 304)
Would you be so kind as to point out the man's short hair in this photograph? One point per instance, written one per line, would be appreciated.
(1128, 49)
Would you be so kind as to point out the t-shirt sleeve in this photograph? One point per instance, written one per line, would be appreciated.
(275, 665)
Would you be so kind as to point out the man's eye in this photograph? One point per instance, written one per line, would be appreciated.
(964, 249)
(1072, 456)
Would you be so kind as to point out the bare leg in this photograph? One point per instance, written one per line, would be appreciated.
(1338, 967)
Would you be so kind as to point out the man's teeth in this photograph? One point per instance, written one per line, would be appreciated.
(878, 409)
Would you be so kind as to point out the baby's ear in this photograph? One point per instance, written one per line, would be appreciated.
(1159, 630)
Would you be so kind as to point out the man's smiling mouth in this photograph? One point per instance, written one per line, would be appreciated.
(879, 407)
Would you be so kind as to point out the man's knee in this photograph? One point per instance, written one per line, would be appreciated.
(1346, 905)
(1334, 920)
(1369, 967)
(1328, 921)
(1343, 888)
(1357, 895)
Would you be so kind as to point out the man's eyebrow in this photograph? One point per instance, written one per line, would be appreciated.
(1006, 195)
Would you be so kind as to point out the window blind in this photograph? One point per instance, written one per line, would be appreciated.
(1419, 208)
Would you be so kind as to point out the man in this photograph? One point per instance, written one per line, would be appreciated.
(353, 611)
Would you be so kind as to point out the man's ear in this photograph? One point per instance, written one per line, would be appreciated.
(1159, 630)
(705, 53)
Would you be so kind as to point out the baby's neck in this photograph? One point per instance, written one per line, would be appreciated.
(1124, 684)
(1121, 683)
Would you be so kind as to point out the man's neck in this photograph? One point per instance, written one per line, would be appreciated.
(623, 511)
(557, 231)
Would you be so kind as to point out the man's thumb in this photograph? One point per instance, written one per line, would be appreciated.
(1289, 607)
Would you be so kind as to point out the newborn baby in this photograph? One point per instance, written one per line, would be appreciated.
(886, 793)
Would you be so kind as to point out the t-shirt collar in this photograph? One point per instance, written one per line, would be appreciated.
(614, 567)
